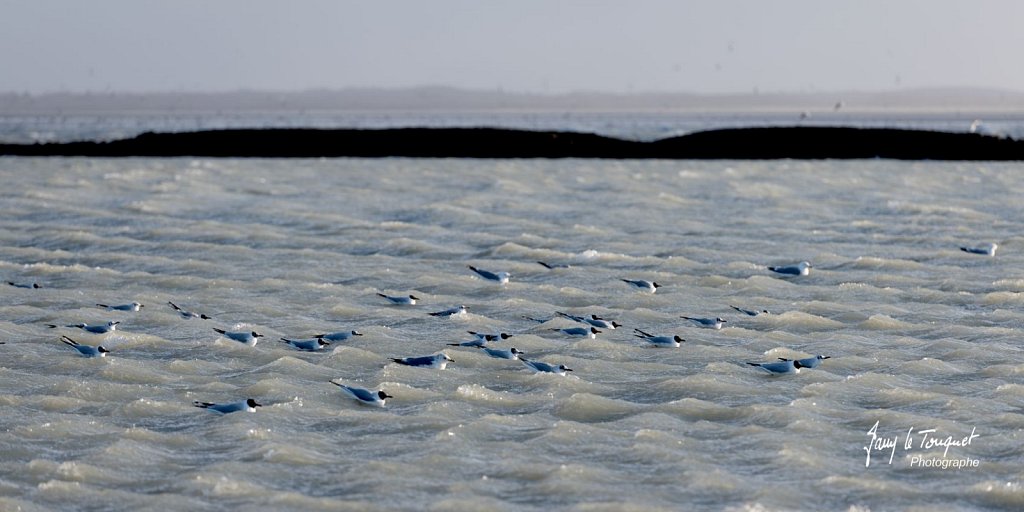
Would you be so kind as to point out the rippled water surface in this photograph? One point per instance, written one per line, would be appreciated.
(921, 335)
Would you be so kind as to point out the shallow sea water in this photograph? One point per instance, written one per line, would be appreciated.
(921, 335)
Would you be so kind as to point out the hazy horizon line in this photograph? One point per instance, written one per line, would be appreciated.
(515, 92)
(451, 98)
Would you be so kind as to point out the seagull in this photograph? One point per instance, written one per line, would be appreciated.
(800, 269)
(407, 300)
(338, 336)
(580, 332)
(439, 361)
(988, 250)
(550, 266)
(248, 338)
(245, 405)
(310, 345)
(134, 306)
(86, 350)
(594, 320)
(30, 286)
(498, 277)
(780, 368)
(707, 323)
(188, 314)
(540, 367)
(457, 310)
(647, 286)
(475, 342)
(809, 362)
(659, 341)
(363, 395)
(512, 353)
(95, 329)
(751, 312)
(491, 337)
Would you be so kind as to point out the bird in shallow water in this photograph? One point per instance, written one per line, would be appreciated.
(497, 277)
(808, 362)
(249, 405)
(131, 306)
(800, 269)
(780, 368)
(29, 286)
(580, 332)
(86, 350)
(338, 336)
(439, 361)
(707, 323)
(94, 329)
(540, 367)
(401, 300)
(245, 337)
(594, 320)
(751, 312)
(188, 314)
(987, 250)
(659, 341)
(363, 395)
(512, 353)
(309, 345)
(647, 286)
(553, 266)
(457, 310)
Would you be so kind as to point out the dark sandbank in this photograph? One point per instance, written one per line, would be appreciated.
(741, 143)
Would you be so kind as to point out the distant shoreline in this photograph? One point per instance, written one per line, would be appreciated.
(798, 142)
(426, 99)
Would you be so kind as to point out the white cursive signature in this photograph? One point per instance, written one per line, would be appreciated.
(929, 441)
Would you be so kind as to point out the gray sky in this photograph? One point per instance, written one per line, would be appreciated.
(704, 46)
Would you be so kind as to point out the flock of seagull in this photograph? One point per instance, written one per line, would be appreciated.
(589, 328)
